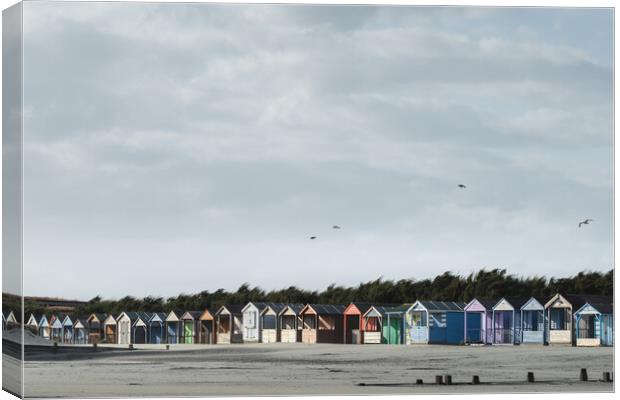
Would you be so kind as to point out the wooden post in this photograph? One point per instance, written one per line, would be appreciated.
(583, 375)
(439, 380)
(475, 380)
(530, 377)
(419, 382)
(606, 377)
(448, 379)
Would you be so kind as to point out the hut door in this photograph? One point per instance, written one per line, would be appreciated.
(353, 329)
(189, 332)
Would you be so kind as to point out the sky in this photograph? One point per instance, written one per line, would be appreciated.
(174, 148)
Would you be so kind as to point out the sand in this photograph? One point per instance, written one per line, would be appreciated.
(300, 369)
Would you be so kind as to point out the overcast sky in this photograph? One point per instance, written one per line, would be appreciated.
(175, 148)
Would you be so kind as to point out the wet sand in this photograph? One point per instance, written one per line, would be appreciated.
(299, 369)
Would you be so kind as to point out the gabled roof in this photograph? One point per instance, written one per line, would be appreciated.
(275, 307)
(430, 305)
(578, 300)
(362, 307)
(44, 320)
(295, 308)
(207, 314)
(80, 320)
(133, 316)
(67, 321)
(34, 318)
(486, 303)
(160, 315)
(259, 306)
(515, 302)
(534, 299)
(603, 308)
(384, 311)
(231, 308)
(176, 313)
(324, 309)
(191, 315)
(100, 317)
(9, 316)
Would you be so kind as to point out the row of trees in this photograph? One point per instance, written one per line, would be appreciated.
(447, 286)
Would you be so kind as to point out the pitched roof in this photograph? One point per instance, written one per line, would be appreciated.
(232, 308)
(516, 302)
(431, 305)
(578, 300)
(296, 308)
(276, 307)
(327, 309)
(192, 314)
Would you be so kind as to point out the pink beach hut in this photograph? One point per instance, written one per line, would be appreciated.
(479, 321)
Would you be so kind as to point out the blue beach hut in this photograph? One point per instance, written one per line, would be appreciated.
(440, 322)
(533, 322)
(156, 328)
(594, 324)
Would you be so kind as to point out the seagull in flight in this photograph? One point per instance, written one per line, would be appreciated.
(585, 222)
(312, 237)
(461, 186)
(336, 227)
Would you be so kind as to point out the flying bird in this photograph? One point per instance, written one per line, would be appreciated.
(461, 186)
(312, 237)
(585, 222)
(336, 227)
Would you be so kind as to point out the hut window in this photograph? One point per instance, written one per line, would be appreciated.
(224, 324)
(288, 322)
(236, 326)
(309, 322)
(250, 317)
(418, 318)
(327, 323)
(558, 319)
(269, 321)
(372, 324)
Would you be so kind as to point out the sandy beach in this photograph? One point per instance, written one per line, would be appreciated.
(298, 369)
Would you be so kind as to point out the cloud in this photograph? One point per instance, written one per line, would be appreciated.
(224, 135)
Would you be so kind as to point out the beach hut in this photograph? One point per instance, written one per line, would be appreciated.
(229, 324)
(44, 327)
(109, 330)
(533, 321)
(94, 325)
(479, 321)
(156, 328)
(80, 331)
(67, 329)
(290, 323)
(594, 324)
(322, 323)
(353, 322)
(269, 322)
(206, 327)
(252, 321)
(559, 319)
(383, 324)
(9, 320)
(140, 327)
(188, 321)
(506, 317)
(440, 322)
(172, 324)
(125, 326)
(56, 327)
(33, 322)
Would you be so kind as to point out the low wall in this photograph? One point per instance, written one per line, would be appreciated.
(560, 337)
(288, 335)
(269, 336)
(372, 337)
